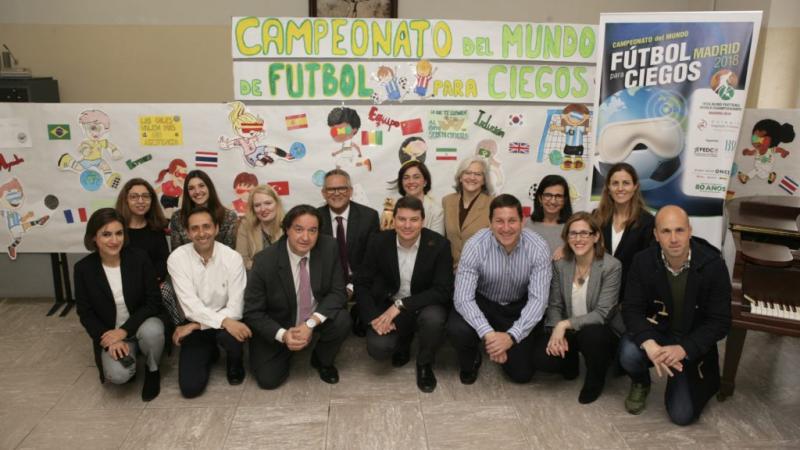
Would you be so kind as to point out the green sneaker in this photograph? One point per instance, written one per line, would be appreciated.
(637, 398)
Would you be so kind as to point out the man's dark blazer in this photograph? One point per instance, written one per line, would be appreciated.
(362, 221)
(270, 300)
(94, 301)
(635, 239)
(706, 316)
(379, 278)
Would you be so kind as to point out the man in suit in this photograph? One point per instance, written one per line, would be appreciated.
(351, 224)
(676, 308)
(209, 281)
(501, 292)
(294, 291)
(405, 284)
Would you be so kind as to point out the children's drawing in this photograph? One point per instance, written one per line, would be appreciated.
(768, 134)
(249, 129)
(390, 86)
(11, 198)
(243, 185)
(574, 125)
(423, 71)
(487, 149)
(170, 183)
(96, 125)
(413, 149)
(345, 123)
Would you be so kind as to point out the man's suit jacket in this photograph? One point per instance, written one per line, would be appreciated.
(362, 221)
(602, 294)
(379, 279)
(635, 239)
(94, 301)
(270, 300)
(477, 218)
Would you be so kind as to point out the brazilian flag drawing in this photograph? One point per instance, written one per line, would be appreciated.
(58, 132)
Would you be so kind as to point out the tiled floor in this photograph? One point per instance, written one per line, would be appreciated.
(50, 397)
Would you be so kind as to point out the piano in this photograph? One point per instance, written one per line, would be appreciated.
(766, 274)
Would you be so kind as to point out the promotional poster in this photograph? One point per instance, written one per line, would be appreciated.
(670, 100)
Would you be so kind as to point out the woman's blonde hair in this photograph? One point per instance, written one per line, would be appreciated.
(464, 165)
(239, 115)
(252, 223)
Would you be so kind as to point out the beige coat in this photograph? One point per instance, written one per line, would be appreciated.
(477, 218)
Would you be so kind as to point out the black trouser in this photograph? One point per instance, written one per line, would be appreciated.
(597, 343)
(270, 359)
(198, 352)
(519, 365)
(428, 322)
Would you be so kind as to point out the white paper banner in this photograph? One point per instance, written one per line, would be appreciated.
(80, 152)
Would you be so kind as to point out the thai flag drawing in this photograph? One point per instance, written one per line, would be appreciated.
(206, 159)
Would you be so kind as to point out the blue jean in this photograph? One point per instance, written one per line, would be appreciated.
(678, 398)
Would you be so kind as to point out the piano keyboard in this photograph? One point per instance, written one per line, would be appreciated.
(771, 309)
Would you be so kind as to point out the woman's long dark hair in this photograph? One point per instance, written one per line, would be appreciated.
(154, 216)
(214, 205)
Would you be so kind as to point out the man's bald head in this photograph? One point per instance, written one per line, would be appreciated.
(673, 233)
(672, 213)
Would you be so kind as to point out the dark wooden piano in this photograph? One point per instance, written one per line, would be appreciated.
(766, 274)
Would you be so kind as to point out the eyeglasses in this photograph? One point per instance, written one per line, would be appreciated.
(580, 234)
(139, 197)
(337, 189)
(550, 197)
(472, 174)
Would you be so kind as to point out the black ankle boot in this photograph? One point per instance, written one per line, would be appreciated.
(152, 385)
(592, 387)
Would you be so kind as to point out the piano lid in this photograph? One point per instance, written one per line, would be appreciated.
(773, 215)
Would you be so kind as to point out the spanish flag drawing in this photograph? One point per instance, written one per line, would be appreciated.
(296, 122)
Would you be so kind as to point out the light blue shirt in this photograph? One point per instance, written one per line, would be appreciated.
(486, 268)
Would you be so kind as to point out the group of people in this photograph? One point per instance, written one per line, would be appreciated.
(619, 286)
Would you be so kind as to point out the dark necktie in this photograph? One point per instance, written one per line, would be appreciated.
(304, 301)
(342, 241)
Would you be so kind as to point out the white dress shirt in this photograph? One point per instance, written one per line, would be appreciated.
(406, 258)
(211, 292)
(344, 215)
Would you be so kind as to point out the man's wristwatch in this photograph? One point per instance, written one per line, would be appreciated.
(398, 303)
(311, 323)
